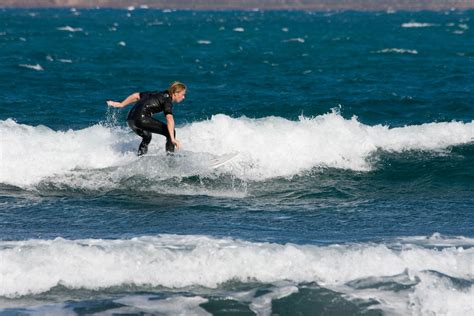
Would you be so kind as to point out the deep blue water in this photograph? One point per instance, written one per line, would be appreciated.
(352, 192)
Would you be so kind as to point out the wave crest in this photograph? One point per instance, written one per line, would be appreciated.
(269, 147)
(174, 261)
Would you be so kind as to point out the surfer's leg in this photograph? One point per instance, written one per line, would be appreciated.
(161, 128)
(145, 135)
(146, 139)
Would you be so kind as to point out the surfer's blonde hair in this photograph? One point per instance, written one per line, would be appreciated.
(176, 87)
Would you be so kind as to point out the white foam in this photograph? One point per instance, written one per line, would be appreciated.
(438, 240)
(36, 67)
(324, 141)
(177, 305)
(49, 310)
(435, 295)
(398, 51)
(262, 305)
(36, 266)
(297, 39)
(68, 28)
(417, 25)
(31, 154)
(239, 29)
(204, 42)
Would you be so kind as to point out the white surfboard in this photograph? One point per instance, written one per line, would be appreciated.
(191, 158)
(222, 160)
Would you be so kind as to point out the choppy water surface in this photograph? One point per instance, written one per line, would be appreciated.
(352, 191)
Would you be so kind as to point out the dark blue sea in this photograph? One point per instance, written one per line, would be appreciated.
(352, 192)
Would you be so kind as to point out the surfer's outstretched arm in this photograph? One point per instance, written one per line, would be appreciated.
(134, 97)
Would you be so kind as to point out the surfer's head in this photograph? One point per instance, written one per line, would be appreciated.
(177, 91)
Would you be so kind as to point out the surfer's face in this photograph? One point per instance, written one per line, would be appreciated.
(179, 96)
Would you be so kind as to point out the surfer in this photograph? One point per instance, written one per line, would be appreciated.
(140, 118)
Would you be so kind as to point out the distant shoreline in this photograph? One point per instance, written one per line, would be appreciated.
(315, 5)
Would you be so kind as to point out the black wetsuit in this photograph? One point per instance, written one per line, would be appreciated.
(141, 121)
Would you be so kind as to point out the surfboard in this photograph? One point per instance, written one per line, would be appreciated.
(185, 157)
(222, 160)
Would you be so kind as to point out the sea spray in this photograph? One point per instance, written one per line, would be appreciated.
(268, 147)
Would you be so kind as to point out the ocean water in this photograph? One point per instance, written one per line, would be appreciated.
(352, 192)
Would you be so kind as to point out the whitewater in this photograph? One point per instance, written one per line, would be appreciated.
(35, 266)
(278, 148)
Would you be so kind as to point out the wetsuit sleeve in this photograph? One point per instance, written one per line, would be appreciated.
(168, 108)
(145, 94)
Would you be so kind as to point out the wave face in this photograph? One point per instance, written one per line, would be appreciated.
(411, 274)
(268, 148)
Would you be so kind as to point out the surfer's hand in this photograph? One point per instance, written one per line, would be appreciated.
(114, 104)
(176, 143)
